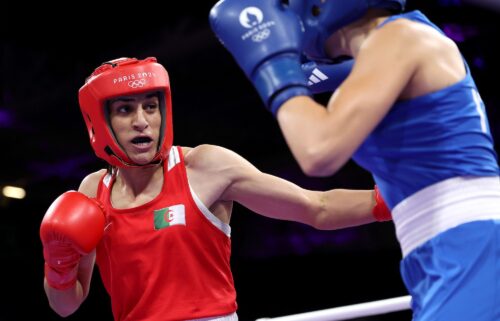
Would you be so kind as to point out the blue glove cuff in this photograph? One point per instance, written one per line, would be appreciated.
(280, 77)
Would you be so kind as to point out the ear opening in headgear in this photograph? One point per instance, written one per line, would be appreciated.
(163, 111)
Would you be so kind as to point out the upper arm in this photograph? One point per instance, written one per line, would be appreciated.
(89, 184)
(384, 66)
(324, 140)
(88, 187)
(382, 70)
(267, 194)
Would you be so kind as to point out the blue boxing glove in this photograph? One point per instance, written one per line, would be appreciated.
(265, 38)
(323, 77)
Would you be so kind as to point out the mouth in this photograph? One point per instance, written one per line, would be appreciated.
(142, 142)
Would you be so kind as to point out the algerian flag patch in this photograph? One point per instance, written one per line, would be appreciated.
(168, 216)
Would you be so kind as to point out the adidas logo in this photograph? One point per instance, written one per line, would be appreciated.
(316, 77)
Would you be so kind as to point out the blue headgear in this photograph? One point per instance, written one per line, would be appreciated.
(321, 18)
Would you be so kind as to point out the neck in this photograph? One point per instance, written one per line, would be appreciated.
(137, 180)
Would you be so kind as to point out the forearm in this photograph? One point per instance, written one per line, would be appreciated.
(331, 210)
(64, 302)
(343, 208)
(313, 139)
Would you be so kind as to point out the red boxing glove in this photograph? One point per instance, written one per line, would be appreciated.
(380, 211)
(72, 226)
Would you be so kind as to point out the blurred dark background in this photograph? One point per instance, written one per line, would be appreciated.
(280, 268)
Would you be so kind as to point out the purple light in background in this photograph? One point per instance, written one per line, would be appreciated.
(6, 118)
(450, 3)
(65, 169)
(307, 241)
(479, 62)
(459, 33)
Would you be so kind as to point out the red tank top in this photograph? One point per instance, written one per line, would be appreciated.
(168, 259)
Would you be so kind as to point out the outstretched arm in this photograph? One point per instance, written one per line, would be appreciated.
(277, 198)
(232, 178)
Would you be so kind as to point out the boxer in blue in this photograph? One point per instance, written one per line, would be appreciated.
(408, 111)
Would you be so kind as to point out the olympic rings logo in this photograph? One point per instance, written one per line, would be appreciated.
(137, 83)
(260, 36)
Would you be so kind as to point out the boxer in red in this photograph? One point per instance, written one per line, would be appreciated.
(156, 223)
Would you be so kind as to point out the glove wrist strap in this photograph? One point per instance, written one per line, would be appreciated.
(61, 279)
(380, 211)
(277, 76)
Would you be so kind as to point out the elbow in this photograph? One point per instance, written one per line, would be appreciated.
(314, 170)
(63, 307)
(64, 302)
(64, 311)
(64, 314)
(324, 221)
(316, 163)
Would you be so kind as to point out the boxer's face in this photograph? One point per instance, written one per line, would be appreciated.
(136, 123)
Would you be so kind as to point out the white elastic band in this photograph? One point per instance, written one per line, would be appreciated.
(230, 317)
(350, 311)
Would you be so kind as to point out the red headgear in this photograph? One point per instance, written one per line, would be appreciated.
(124, 77)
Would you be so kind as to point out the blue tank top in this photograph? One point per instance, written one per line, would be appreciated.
(430, 138)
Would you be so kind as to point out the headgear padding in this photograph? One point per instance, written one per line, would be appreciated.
(124, 77)
(321, 18)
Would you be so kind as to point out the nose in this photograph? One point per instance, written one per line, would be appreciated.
(140, 121)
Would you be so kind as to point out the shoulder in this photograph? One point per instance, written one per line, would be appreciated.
(213, 158)
(406, 35)
(396, 46)
(205, 154)
(400, 33)
(89, 184)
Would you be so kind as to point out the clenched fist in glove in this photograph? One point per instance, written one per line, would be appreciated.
(265, 37)
(72, 226)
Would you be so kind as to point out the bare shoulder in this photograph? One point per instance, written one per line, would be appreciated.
(214, 158)
(433, 58)
(401, 33)
(89, 184)
(410, 36)
(206, 154)
(391, 53)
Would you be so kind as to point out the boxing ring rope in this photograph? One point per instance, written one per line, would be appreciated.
(350, 311)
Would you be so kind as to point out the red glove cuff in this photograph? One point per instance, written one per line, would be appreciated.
(61, 280)
(380, 211)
